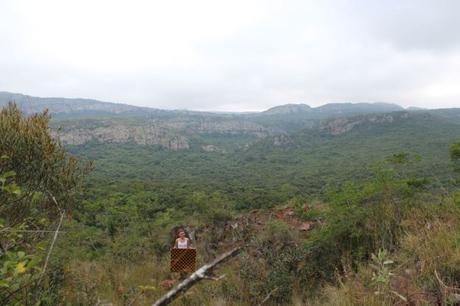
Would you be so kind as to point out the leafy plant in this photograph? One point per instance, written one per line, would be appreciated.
(381, 275)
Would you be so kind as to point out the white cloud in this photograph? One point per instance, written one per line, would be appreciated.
(232, 55)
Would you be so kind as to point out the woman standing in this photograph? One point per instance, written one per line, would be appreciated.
(182, 242)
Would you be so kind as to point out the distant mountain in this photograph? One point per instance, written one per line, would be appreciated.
(334, 109)
(29, 105)
(85, 121)
(287, 109)
(300, 116)
(415, 108)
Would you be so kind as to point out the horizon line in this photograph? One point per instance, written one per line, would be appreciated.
(222, 111)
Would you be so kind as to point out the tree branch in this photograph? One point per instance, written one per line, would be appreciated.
(268, 296)
(444, 285)
(445, 290)
(51, 248)
(197, 276)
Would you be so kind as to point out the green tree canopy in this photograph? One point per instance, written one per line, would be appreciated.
(38, 180)
(42, 168)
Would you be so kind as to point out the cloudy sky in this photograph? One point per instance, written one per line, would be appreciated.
(234, 55)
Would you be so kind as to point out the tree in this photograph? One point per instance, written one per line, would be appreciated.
(455, 155)
(38, 182)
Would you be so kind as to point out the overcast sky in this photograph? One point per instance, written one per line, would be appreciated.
(233, 55)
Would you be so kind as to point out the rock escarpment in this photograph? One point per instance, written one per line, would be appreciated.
(174, 134)
(123, 134)
(343, 125)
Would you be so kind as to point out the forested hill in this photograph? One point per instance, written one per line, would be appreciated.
(292, 144)
(266, 170)
(291, 147)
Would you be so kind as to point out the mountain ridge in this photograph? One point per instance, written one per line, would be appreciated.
(57, 105)
(91, 121)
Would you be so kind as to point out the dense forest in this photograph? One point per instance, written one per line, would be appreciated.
(332, 207)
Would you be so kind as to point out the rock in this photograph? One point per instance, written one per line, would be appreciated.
(212, 148)
(149, 135)
(172, 134)
(282, 140)
(343, 125)
(305, 226)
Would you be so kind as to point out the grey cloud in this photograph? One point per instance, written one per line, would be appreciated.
(414, 24)
(300, 51)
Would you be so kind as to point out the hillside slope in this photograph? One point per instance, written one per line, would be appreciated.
(308, 161)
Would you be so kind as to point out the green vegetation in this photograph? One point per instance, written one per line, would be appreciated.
(38, 182)
(366, 217)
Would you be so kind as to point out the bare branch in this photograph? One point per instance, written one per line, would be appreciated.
(197, 276)
(215, 278)
(55, 202)
(444, 286)
(268, 296)
(448, 293)
(51, 248)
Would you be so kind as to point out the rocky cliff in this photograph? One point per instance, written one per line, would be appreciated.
(174, 134)
(343, 125)
(148, 135)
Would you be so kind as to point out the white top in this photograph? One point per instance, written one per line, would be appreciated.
(182, 244)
